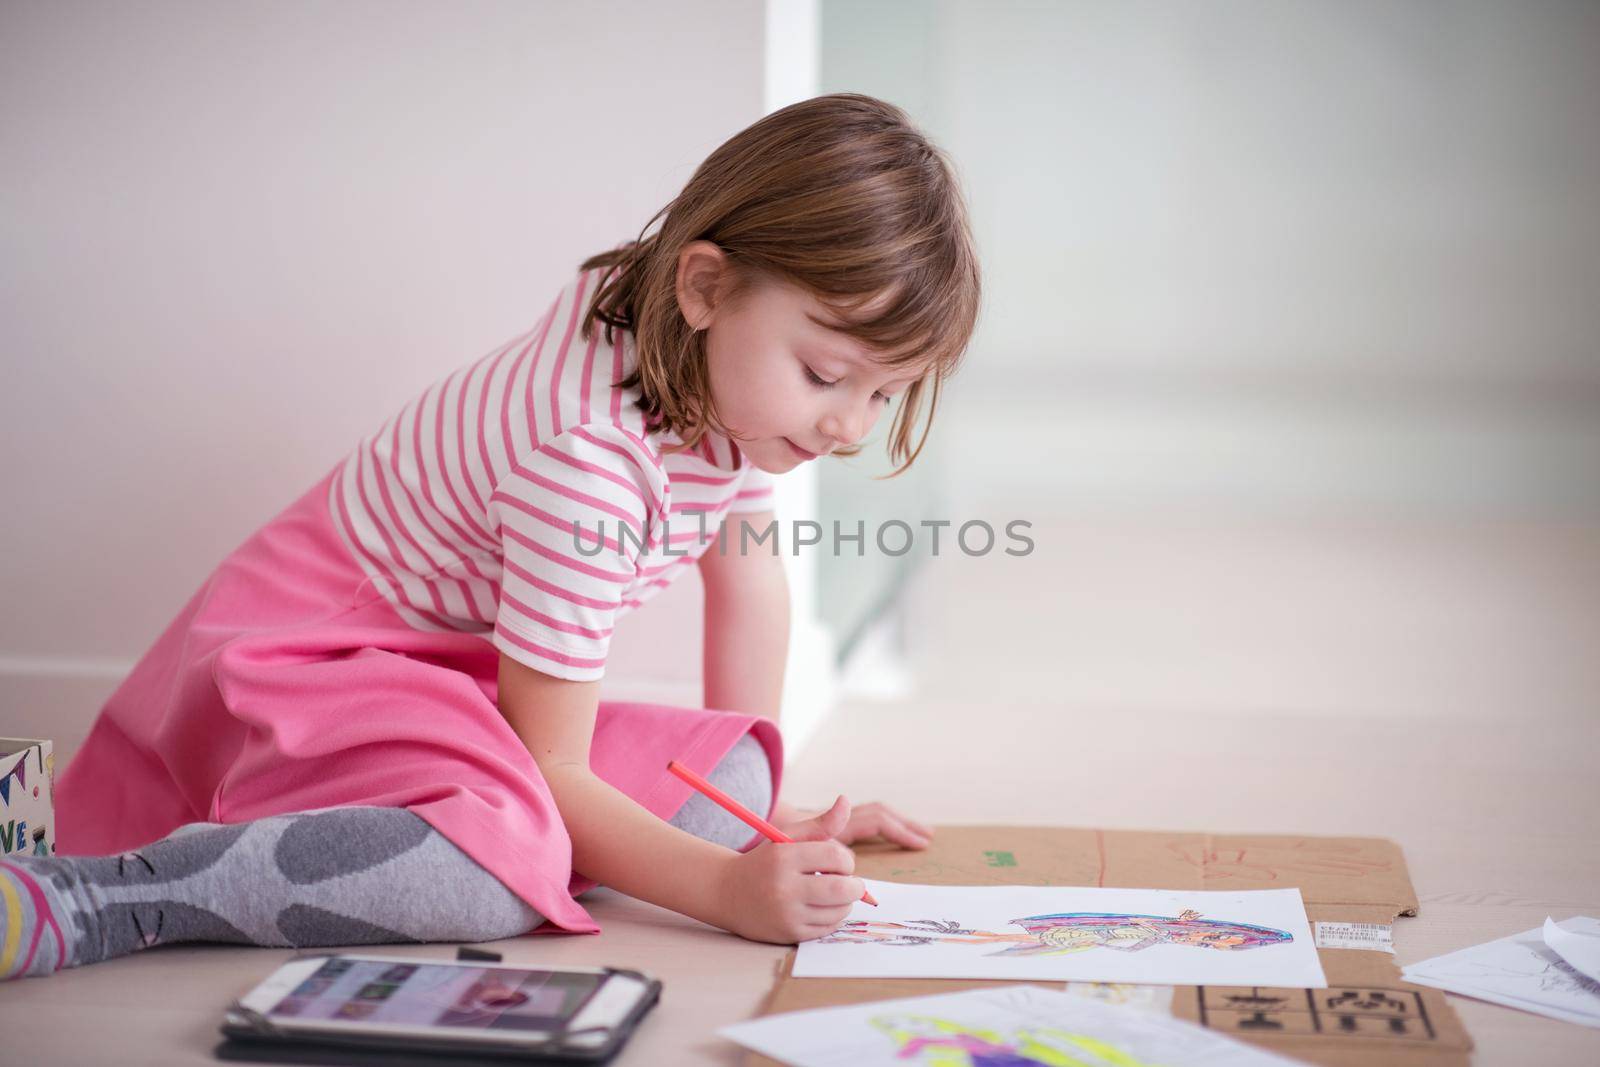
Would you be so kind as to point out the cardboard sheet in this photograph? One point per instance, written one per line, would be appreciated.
(1367, 1015)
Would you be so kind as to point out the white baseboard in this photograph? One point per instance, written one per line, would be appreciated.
(60, 698)
(49, 699)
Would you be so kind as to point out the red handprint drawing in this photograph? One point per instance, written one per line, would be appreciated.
(1217, 861)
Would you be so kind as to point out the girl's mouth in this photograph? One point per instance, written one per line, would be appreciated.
(802, 453)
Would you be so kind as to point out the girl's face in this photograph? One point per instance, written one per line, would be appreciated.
(790, 389)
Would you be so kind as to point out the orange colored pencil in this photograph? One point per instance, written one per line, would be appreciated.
(733, 807)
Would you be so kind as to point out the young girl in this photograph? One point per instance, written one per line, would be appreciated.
(379, 719)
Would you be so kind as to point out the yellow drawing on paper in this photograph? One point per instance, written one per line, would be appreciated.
(937, 1042)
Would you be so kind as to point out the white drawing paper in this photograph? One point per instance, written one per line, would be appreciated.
(1011, 1024)
(1579, 946)
(1071, 933)
(1521, 971)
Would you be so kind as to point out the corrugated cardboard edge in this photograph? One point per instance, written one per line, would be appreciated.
(1334, 869)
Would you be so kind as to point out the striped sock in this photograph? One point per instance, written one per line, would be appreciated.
(31, 942)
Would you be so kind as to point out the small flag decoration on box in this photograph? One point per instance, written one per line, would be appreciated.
(27, 773)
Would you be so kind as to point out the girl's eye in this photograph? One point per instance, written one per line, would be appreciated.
(823, 383)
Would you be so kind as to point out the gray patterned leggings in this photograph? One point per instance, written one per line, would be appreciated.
(337, 876)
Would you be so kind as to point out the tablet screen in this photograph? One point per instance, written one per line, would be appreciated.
(419, 994)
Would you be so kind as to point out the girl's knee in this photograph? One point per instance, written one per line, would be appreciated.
(745, 774)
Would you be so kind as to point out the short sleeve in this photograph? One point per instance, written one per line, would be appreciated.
(755, 492)
(574, 518)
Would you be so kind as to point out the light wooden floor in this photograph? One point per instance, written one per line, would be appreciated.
(1430, 683)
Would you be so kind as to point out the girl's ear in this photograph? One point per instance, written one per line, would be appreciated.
(701, 266)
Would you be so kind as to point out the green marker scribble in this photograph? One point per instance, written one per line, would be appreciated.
(1001, 859)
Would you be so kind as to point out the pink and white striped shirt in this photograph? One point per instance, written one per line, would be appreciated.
(461, 508)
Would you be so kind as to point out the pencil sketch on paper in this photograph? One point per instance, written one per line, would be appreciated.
(1064, 933)
(932, 1039)
(1538, 976)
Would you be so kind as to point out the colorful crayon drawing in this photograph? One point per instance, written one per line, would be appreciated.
(1064, 933)
(939, 1042)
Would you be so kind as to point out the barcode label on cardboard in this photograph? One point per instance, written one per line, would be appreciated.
(1377, 937)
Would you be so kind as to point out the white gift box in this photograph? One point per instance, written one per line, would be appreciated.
(27, 823)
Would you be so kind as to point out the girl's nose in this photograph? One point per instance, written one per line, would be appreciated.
(847, 425)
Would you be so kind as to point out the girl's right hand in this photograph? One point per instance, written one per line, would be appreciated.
(772, 892)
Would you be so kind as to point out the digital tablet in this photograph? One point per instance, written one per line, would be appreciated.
(432, 1007)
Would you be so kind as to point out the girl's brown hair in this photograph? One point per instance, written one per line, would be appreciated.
(840, 194)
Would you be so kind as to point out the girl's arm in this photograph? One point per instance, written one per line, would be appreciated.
(746, 629)
(771, 893)
(746, 644)
(614, 840)
(746, 621)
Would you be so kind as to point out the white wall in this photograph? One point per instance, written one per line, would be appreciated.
(1274, 252)
(237, 236)
(1392, 192)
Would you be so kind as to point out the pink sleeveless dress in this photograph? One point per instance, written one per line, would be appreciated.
(289, 683)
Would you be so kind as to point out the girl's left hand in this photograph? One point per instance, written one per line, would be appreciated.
(850, 825)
